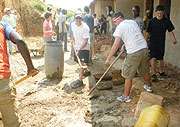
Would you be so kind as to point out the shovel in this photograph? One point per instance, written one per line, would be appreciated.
(79, 62)
(105, 72)
(25, 77)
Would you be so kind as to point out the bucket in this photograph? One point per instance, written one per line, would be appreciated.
(153, 116)
(54, 60)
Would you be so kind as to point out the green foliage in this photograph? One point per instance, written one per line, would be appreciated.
(39, 5)
(69, 15)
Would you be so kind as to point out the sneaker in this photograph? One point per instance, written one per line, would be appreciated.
(88, 73)
(123, 98)
(163, 75)
(148, 88)
(95, 58)
(154, 78)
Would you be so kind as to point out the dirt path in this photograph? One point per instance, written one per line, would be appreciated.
(53, 103)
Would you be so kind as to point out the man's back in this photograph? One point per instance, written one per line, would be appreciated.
(88, 18)
(130, 33)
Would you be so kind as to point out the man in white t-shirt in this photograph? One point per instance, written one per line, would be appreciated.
(11, 20)
(137, 58)
(96, 24)
(80, 39)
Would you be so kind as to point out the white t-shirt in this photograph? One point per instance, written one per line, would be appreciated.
(130, 33)
(11, 19)
(62, 23)
(96, 22)
(80, 33)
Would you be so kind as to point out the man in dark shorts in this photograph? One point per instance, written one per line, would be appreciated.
(80, 39)
(156, 34)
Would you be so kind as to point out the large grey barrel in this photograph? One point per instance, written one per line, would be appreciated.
(54, 60)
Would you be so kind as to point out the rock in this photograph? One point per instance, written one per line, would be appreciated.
(128, 122)
(105, 85)
(147, 99)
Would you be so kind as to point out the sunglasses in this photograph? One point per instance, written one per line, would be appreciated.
(116, 19)
(78, 18)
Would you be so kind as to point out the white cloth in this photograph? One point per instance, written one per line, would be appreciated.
(62, 23)
(80, 33)
(10, 19)
(130, 33)
(140, 22)
(111, 24)
(57, 18)
(96, 22)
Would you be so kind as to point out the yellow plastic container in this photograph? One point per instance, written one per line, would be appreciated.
(153, 116)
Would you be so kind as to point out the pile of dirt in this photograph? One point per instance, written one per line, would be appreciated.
(30, 22)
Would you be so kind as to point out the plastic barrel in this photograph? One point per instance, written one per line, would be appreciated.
(54, 60)
(153, 116)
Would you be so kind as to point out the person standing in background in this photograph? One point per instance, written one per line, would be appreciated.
(63, 28)
(70, 35)
(137, 17)
(110, 12)
(103, 24)
(89, 20)
(10, 19)
(146, 21)
(56, 17)
(156, 34)
(96, 24)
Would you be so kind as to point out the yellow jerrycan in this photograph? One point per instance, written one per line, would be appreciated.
(153, 116)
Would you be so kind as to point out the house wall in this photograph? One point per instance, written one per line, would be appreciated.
(172, 54)
(100, 7)
(125, 6)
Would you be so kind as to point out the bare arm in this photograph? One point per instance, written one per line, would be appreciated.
(113, 49)
(83, 45)
(23, 49)
(173, 37)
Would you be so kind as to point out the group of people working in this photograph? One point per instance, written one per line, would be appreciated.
(136, 46)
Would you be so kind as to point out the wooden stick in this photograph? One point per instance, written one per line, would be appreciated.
(25, 77)
(79, 62)
(105, 72)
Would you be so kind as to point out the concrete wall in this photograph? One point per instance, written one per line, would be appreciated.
(125, 6)
(100, 7)
(172, 54)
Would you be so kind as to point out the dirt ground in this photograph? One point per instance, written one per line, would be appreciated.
(53, 103)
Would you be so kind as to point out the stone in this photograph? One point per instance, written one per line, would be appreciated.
(147, 99)
(104, 85)
(128, 122)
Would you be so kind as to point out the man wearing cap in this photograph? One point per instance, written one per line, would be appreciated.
(48, 10)
(80, 38)
(10, 19)
(8, 106)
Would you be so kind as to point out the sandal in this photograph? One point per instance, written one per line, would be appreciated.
(76, 84)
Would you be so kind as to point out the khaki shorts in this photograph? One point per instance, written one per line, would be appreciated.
(8, 106)
(136, 62)
(92, 39)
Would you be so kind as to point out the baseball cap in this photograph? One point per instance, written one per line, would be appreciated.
(78, 14)
(49, 8)
(7, 9)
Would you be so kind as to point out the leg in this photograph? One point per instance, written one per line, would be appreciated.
(161, 66)
(10, 47)
(147, 79)
(8, 104)
(72, 51)
(153, 65)
(128, 85)
(61, 37)
(65, 41)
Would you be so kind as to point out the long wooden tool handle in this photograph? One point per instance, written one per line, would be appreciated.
(77, 57)
(105, 72)
(25, 77)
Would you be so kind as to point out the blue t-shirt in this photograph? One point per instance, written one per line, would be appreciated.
(70, 29)
(88, 18)
(7, 29)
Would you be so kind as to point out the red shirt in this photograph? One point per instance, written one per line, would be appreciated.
(4, 59)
